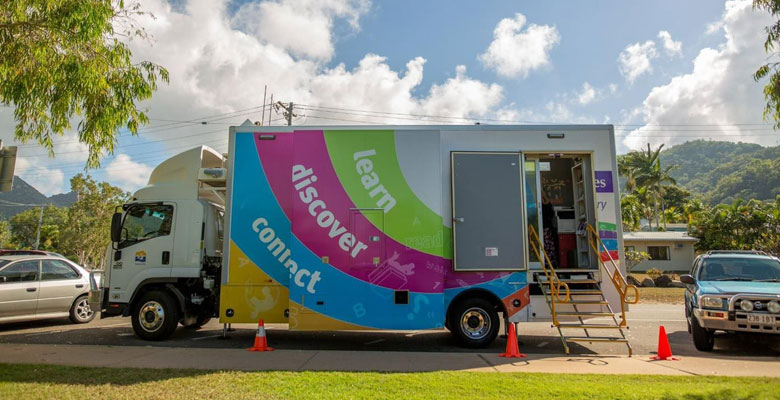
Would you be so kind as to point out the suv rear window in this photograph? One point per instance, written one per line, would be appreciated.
(739, 269)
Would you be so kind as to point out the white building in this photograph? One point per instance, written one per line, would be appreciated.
(669, 251)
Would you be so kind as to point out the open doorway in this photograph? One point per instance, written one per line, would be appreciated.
(559, 199)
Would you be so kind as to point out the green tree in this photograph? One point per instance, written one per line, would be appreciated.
(771, 69)
(634, 258)
(87, 233)
(24, 227)
(739, 226)
(5, 235)
(631, 209)
(64, 58)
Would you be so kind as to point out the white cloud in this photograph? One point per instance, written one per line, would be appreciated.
(122, 171)
(635, 60)
(713, 27)
(613, 88)
(48, 181)
(299, 26)
(587, 95)
(514, 51)
(672, 48)
(718, 91)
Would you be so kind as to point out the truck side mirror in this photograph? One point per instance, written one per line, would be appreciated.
(116, 227)
(687, 279)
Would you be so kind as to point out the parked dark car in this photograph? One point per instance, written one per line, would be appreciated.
(732, 291)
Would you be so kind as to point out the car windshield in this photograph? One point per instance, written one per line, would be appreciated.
(740, 269)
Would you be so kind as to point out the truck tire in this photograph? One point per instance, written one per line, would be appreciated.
(199, 322)
(80, 312)
(703, 339)
(474, 322)
(155, 315)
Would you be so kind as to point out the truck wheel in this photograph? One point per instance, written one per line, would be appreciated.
(80, 312)
(199, 322)
(155, 316)
(474, 322)
(703, 339)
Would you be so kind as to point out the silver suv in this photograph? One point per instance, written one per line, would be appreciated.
(41, 287)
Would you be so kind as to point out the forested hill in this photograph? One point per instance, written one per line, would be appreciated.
(720, 172)
(24, 193)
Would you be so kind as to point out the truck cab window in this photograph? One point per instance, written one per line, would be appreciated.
(144, 222)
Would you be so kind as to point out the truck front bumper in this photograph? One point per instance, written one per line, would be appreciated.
(733, 321)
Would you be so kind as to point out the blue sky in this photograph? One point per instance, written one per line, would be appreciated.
(661, 71)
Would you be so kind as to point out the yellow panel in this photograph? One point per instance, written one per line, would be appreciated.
(251, 293)
(242, 271)
(250, 303)
(304, 319)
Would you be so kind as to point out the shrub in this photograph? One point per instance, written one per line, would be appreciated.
(654, 273)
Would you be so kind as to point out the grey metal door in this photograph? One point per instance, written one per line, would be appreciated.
(487, 210)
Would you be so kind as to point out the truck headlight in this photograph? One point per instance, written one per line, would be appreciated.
(773, 306)
(746, 305)
(711, 302)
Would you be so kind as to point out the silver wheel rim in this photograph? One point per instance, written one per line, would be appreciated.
(83, 311)
(151, 316)
(475, 323)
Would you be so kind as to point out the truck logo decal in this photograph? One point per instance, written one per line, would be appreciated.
(140, 257)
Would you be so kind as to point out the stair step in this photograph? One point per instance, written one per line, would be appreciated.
(589, 326)
(584, 313)
(596, 339)
(572, 281)
(578, 291)
(584, 302)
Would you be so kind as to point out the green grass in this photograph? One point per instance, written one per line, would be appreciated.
(47, 381)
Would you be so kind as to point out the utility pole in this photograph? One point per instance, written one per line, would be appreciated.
(38, 235)
(288, 111)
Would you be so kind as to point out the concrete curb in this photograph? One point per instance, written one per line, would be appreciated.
(307, 360)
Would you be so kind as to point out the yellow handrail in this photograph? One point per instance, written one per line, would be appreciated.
(617, 278)
(549, 272)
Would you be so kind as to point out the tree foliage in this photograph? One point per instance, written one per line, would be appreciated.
(751, 225)
(24, 228)
(64, 58)
(771, 69)
(87, 232)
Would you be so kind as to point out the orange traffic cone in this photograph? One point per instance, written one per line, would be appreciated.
(664, 350)
(511, 344)
(261, 344)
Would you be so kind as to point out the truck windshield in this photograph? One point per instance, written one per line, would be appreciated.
(740, 269)
(144, 222)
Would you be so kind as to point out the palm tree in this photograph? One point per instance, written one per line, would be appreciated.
(655, 179)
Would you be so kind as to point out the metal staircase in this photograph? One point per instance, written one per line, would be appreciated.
(576, 296)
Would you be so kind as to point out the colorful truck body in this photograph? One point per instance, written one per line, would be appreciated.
(338, 228)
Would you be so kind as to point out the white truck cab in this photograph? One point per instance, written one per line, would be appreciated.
(163, 265)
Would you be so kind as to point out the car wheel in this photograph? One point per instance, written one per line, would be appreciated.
(80, 312)
(155, 316)
(703, 339)
(474, 322)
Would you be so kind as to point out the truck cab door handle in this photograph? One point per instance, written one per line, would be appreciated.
(166, 257)
(31, 289)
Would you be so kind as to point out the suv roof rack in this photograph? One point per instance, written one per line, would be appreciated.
(757, 252)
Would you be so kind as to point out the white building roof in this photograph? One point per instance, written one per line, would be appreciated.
(658, 237)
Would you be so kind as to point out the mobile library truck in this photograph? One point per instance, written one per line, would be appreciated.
(377, 227)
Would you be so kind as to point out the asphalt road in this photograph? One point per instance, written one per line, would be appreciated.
(535, 337)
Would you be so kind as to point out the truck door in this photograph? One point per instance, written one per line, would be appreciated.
(145, 248)
(487, 212)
